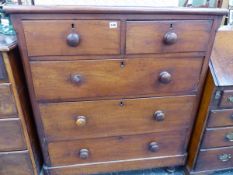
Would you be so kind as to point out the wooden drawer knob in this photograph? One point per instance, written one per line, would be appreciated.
(73, 39)
(165, 77)
(153, 146)
(81, 121)
(77, 79)
(159, 115)
(170, 38)
(229, 137)
(83, 153)
(224, 157)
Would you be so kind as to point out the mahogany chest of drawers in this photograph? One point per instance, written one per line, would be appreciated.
(18, 148)
(211, 145)
(114, 88)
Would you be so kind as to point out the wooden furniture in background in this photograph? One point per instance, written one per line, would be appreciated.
(114, 88)
(211, 146)
(19, 149)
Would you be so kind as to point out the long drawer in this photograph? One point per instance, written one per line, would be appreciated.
(15, 163)
(117, 148)
(90, 119)
(11, 135)
(114, 166)
(88, 79)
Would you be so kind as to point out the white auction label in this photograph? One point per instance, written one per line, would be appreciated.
(113, 25)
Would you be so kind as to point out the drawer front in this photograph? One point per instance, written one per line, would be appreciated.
(214, 159)
(15, 163)
(167, 36)
(7, 103)
(227, 99)
(218, 137)
(117, 148)
(11, 135)
(220, 118)
(72, 37)
(134, 164)
(90, 79)
(90, 119)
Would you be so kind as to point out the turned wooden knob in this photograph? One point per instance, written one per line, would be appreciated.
(81, 121)
(73, 39)
(77, 79)
(153, 146)
(159, 116)
(83, 153)
(170, 38)
(165, 77)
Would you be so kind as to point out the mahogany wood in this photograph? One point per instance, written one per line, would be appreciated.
(19, 134)
(142, 163)
(220, 118)
(191, 36)
(134, 77)
(115, 78)
(11, 135)
(217, 137)
(59, 119)
(209, 159)
(50, 37)
(211, 143)
(7, 102)
(227, 99)
(128, 147)
(15, 163)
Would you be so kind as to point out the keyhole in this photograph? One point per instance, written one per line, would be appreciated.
(72, 25)
(121, 103)
(171, 26)
(122, 64)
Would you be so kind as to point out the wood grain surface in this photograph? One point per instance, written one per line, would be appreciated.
(107, 78)
(191, 36)
(117, 148)
(15, 163)
(108, 118)
(49, 37)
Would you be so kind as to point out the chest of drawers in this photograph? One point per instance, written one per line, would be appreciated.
(19, 148)
(211, 145)
(114, 88)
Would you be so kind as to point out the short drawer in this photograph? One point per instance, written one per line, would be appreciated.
(117, 148)
(214, 159)
(7, 103)
(227, 99)
(91, 119)
(218, 137)
(95, 79)
(72, 37)
(11, 135)
(167, 36)
(15, 163)
(220, 118)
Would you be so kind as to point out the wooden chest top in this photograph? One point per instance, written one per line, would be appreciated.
(222, 57)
